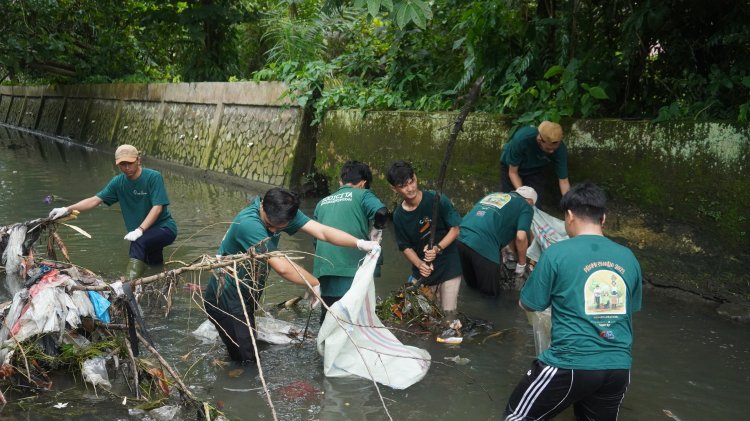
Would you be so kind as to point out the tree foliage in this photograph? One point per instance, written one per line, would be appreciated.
(661, 59)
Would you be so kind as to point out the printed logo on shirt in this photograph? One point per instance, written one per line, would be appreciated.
(604, 294)
(336, 198)
(140, 193)
(497, 200)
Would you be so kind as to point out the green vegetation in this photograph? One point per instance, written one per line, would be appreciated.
(657, 59)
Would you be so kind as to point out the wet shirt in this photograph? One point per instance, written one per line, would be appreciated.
(413, 231)
(137, 197)
(248, 231)
(349, 209)
(523, 151)
(578, 278)
(493, 222)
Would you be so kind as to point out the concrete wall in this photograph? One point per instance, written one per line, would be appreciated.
(693, 172)
(241, 129)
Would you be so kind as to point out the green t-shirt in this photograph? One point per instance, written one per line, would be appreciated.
(413, 231)
(523, 151)
(493, 222)
(349, 209)
(594, 286)
(137, 197)
(248, 231)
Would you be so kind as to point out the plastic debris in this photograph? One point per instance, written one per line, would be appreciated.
(95, 372)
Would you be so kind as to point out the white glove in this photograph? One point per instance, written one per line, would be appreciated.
(312, 296)
(520, 269)
(58, 213)
(134, 235)
(368, 246)
(376, 235)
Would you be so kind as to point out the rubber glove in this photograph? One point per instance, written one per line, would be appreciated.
(134, 235)
(376, 235)
(313, 296)
(520, 269)
(368, 246)
(58, 213)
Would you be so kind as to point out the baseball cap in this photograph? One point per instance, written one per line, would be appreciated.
(126, 153)
(527, 193)
(551, 132)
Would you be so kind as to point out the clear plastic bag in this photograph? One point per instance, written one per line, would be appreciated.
(95, 372)
(541, 322)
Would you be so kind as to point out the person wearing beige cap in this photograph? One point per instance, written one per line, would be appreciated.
(528, 153)
(144, 203)
(498, 220)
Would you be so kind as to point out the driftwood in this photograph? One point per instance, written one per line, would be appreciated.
(118, 328)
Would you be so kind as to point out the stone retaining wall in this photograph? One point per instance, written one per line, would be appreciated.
(693, 173)
(241, 129)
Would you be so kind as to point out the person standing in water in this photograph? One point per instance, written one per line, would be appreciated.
(145, 210)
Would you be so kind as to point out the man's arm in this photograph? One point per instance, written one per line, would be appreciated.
(152, 216)
(329, 234)
(86, 204)
(291, 271)
(564, 185)
(425, 269)
(514, 177)
(522, 243)
(523, 306)
(450, 237)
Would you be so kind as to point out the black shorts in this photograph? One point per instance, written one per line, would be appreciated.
(234, 333)
(545, 391)
(149, 247)
(480, 272)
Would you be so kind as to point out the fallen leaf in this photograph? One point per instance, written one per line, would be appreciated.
(218, 363)
(61, 405)
(236, 373)
(158, 375)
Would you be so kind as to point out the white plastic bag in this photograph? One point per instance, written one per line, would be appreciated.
(380, 356)
(270, 330)
(95, 372)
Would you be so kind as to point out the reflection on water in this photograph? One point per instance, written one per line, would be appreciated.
(685, 360)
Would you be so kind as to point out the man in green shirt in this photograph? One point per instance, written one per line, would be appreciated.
(144, 203)
(528, 153)
(350, 209)
(258, 227)
(588, 362)
(496, 221)
(438, 267)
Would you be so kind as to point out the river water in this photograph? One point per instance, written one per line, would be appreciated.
(688, 363)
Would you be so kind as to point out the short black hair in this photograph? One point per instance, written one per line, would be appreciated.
(586, 201)
(400, 173)
(354, 171)
(280, 205)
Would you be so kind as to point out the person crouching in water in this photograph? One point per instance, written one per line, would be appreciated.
(258, 228)
(496, 221)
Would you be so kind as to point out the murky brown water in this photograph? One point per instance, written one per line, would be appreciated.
(686, 360)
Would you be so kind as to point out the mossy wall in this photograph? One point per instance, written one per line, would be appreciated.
(241, 129)
(379, 138)
(688, 172)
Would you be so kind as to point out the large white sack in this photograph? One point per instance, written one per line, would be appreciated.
(547, 230)
(381, 356)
